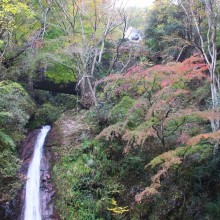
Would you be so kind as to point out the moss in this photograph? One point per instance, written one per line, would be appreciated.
(82, 192)
(68, 174)
(60, 74)
(46, 114)
(201, 152)
(11, 87)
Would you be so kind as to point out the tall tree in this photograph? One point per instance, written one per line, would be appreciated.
(166, 32)
(82, 30)
(206, 14)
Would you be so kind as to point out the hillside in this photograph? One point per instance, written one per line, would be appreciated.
(150, 150)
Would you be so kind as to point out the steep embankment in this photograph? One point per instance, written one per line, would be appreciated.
(151, 152)
(66, 136)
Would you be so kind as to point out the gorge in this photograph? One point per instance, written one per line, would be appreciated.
(130, 116)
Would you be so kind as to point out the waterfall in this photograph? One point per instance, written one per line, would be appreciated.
(32, 194)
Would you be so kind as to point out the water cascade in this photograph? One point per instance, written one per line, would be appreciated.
(32, 194)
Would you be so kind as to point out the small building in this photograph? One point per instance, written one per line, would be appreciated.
(133, 35)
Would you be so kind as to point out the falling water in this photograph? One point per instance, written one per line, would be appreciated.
(32, 195)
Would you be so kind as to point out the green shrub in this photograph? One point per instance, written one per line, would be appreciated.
(100, 114)
(213, 209)
(119, 111)
(9, 165)
(84, 190)
(16, 106)
(9, 181)
(64, 101)
(45, 115)
(136, 117)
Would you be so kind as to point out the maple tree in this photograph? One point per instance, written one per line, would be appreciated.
(165, 91)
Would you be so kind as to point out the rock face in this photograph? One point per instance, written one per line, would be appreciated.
(8, 210)
(69, 130)
(45, 84)
(67, 134)
(12, 210)
(47, 190)
(27, 150)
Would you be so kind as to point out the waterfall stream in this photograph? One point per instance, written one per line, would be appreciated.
(32, 194)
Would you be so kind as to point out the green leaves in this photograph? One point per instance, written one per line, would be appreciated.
(120, 110)
(9, 181)
(15, 106)
(15, 109)
(6, 142)
(60, 73)
(10, 10)
(165, 31)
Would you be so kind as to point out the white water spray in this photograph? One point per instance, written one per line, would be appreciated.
(32, 195)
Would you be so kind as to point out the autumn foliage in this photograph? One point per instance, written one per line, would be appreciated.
(163, 94)
(167, 113)
(165, 75)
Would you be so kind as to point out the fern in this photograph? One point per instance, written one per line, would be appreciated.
(6, 141)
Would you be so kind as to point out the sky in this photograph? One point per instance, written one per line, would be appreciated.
(135, 3)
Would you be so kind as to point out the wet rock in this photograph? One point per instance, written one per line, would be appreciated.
(47, 190)
(27, 149)
(8, 210)
(26, 154)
